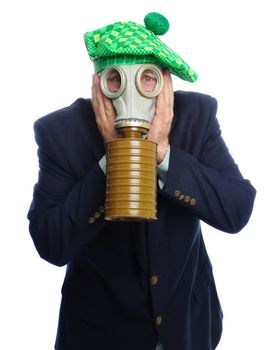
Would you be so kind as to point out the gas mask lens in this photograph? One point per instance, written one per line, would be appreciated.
(112, 82)
(149, 80)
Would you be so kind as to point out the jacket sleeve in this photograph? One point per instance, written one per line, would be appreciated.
(65, 213)
(209, 183)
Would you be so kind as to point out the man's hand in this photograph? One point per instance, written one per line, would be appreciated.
(104, 111)
(162, 120)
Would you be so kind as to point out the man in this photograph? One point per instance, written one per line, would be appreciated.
(136, 285)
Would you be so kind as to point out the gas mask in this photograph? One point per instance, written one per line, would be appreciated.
(131, 160)
(133, 90)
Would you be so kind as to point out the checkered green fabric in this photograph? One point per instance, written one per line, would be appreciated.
(123, 43)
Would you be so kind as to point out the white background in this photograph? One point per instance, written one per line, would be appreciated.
(44, 66)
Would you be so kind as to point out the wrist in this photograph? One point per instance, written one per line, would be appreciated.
(161, 152)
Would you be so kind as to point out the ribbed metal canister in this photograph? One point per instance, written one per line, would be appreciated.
(131, 180)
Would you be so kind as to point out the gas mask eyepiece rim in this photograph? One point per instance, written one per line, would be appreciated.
(104, 75)
(154, 73)
(153, 70)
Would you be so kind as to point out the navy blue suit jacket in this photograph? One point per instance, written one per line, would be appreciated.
(131, 285)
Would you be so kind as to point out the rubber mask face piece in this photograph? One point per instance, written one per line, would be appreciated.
(133, 90)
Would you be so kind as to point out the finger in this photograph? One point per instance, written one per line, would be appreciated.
(167, 89)
(98, 102)
(103, 103)
(167, 76)
(168, 85)
(165, 100)
(94, 87)
(109, 108)
(94, 92)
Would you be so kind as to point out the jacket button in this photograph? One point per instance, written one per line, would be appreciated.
(91, 220)
(158, 320)
(177, 193)
(186, 199)
(96, 215)
(154, 280)
(192, 201)
(181, 197)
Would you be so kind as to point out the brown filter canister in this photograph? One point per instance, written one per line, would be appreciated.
(131, 180)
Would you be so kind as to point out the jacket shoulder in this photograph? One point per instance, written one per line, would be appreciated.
(194, 120)
(69, 130)
(192, 99)
(194, 108)
(67, 116)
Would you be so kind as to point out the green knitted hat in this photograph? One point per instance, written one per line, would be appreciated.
(124, 43)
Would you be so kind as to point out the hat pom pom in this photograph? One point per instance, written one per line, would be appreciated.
(157, 23)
